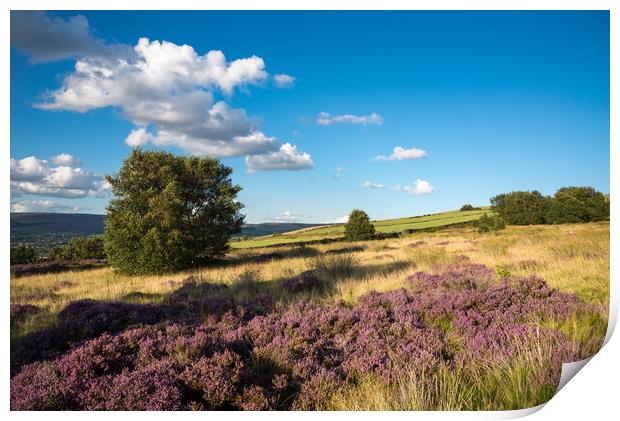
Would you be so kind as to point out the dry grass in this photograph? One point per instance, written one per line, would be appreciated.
(572, 258)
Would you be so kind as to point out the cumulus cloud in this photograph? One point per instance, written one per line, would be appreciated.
(138, 138)
(168, 91)
(284, 81)
(65, 159)
(370, 185)
(168, 87)
(340, 220)
(41, 206)
(399, 154)
(419, 187)
(32, 175)
(45, 38)
(326, 119)
(30, 168)
(286, 158)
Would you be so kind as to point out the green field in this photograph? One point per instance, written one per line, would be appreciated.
(385, 226)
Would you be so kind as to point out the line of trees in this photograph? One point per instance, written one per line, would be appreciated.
(568, 205)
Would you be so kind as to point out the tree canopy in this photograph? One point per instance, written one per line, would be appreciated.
(359, 226)
(169, 212)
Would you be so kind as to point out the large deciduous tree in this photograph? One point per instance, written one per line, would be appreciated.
(169, 213)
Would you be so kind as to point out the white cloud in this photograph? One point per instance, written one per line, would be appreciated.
(169, 92)
(41, 206)
(339, 172)
(400, 153)
(167, 86)
(326, 119)
(32, 175)
(419, 187)
(284, 81)
(138, 137)
(370, 185)
(286, 158)
(65, 159)
(28, 169)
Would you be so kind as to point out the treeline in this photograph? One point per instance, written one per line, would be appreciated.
(86, 248)
(568, 205)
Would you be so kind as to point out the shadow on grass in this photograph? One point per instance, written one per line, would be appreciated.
(193, 302)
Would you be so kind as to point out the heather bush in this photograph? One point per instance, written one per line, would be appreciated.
(460, 319)
(21, 311)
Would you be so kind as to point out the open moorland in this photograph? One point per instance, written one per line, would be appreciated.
(447, 319)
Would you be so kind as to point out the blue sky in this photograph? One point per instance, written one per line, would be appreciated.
(480, 102)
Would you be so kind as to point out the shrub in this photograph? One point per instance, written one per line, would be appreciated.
(488, 223)
(521, 207)
(169, 212)
(467, 207)
(578, 204)
(22, 254)
(359, 226)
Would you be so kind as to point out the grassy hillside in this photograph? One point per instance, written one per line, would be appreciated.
(424, 222)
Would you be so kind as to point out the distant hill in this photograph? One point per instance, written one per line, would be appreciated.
(42, 229)
(59, 223)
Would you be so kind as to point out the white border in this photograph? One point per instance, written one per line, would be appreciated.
(594, 391)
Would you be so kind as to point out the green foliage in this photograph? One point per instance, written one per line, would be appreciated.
(22, 254)
(488, 223)
(359, 226)
(522, 207)
(80, 249)
(468, 207)
(170, 213)
(578, 204)
(568, 205)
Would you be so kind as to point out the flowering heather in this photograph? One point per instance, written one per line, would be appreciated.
(295, 358)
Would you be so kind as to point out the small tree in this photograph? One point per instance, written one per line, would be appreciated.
(467, 207)
(22, 254)
(359, 226)
(169, 212)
